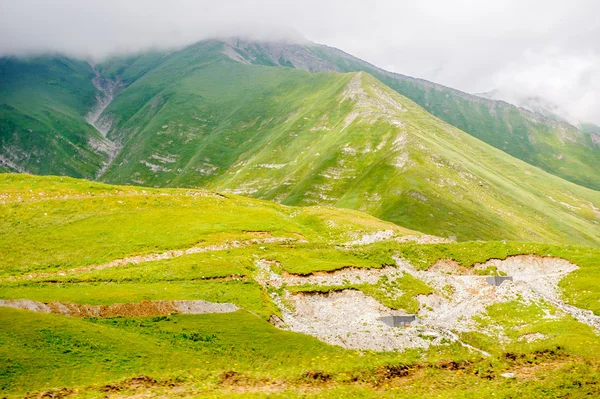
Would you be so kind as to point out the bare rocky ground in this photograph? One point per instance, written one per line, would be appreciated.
(350, 318)
(386, 235)
(107, 90)
(141, 309)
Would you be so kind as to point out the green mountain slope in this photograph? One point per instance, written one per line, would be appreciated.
(212, 115)
(199, 118)
(557, 147)
(43, 105)
(33, 209)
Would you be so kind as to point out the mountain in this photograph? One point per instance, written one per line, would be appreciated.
(201, 118)
(44, 102)
(555, 146)
(235, 116)
(537, 138)
(543, 107)
(376, 247)
(533, 104)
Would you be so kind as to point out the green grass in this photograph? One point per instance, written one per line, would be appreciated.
(101, 351)
(202, 266)
(518, 319)
(94, 352)
(34, 346)
(98, 351)
(76, 226)
(305, 258)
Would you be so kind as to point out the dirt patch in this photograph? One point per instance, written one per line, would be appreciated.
(350, 319)
(136, 383)
(265, 275)
(370, 238)
(538, 371)
(141, 309)
(231, 277)
(385, 235)
(537, 278)
(52, 393)
(384, 373)
(347, 275)
(260, 234)
(532, 337)
(460, 297)
(316, 376)
(541, 273)
(453, 365)
(425, 239)
(238, 382)
(449, 266)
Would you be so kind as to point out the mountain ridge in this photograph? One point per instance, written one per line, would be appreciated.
(197, 117)
(531, 137)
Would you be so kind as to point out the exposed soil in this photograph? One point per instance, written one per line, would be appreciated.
(385, 235)
(231, 277)
(350, 318)
(347, 275)
(136, 383)
(141, 309)
(53, 393)
(449, 266)
(539, 277)
(538, 371)
(261, 234)
(532, 337)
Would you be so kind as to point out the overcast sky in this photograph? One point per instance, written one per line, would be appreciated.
(549, 48)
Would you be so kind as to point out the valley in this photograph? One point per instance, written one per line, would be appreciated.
(239, 218)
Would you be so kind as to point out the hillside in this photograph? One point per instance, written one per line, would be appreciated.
(199, 118)
(247, 296)
(555, 146)
(43, 105)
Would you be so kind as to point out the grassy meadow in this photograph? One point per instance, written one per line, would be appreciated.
(65, 229)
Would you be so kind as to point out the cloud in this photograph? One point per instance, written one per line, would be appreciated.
(569, 79)
(543, 47)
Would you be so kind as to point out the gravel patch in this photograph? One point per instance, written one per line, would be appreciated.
(350, 275)
(385, 235)
(350, 318)
(144, 308)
